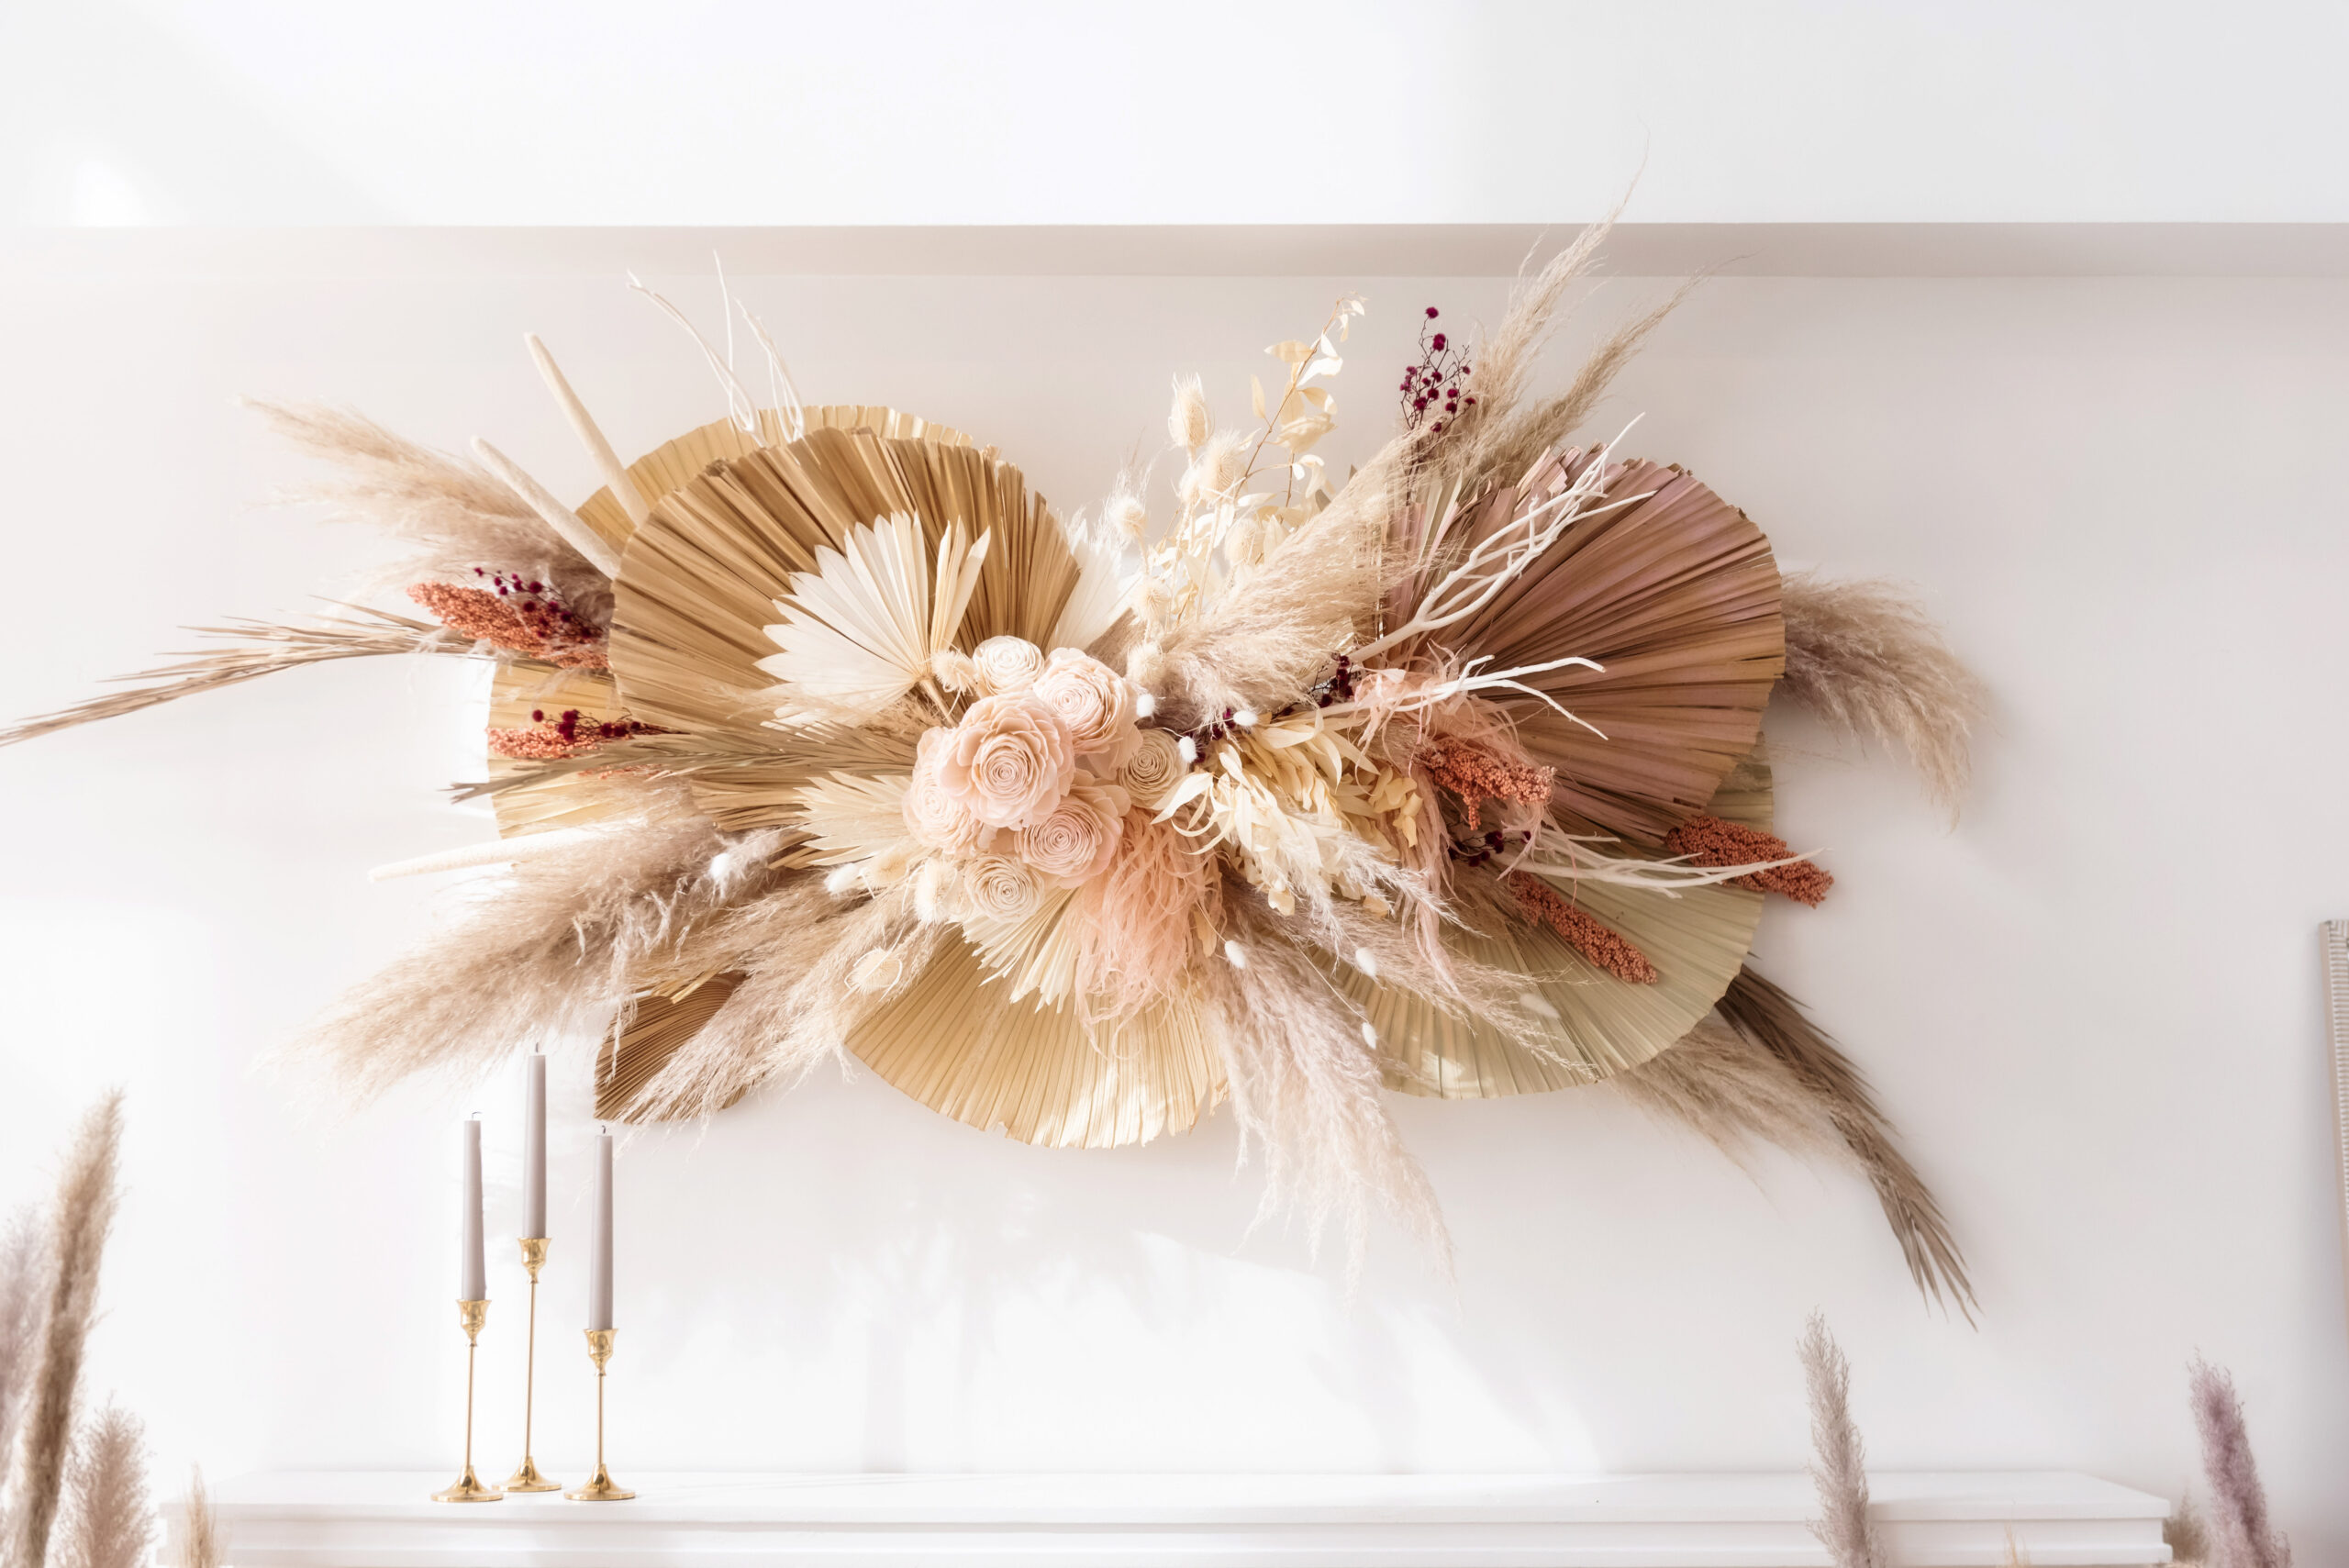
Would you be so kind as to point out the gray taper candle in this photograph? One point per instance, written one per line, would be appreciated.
(472, 1274)
(534, 1144)
(599, 1241)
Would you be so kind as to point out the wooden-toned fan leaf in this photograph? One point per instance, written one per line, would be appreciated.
(1678, 596)
(698, 581)
(660, 1028)
(952, 1042)
(1697, 942)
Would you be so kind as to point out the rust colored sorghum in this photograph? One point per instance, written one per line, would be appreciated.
(1611, 951)
(1710, 842)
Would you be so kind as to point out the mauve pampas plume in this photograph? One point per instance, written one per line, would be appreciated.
(110, 1521)
(1864, 657)
(24, 1296)
(1839, 1462)
(78, 1230)
(2238, 1524)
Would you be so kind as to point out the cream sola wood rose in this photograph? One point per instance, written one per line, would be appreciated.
(1266, 787)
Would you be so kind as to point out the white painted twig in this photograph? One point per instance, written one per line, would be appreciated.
(503, 852)
(560, 518)
(599, 451)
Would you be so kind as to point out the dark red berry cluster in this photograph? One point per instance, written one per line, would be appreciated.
(574, 728)
(541, 608)
(1437, 386)
(1476, 851)
(1339, 687)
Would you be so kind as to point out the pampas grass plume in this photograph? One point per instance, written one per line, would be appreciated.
(109, 1522)
(202, 1547)
(1839, 1462)
(2239, 1523)
(83, 1216)
(24, 1290)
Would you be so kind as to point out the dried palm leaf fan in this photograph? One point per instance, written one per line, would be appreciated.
(815, 731)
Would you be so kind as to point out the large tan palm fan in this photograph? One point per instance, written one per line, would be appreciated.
(728, 522)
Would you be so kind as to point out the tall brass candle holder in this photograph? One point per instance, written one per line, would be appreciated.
(525, 1476)
(600, 1487)
(467, 1488)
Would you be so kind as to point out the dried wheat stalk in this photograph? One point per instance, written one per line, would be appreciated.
(1772, 1019)
(83, 1216)
(110, 1521)
(1864, 657)
(1839, 1459)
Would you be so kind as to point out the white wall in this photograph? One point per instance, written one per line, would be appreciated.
(2093, 1009)
(1210, 111)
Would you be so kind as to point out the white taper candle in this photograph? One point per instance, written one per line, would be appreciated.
(472, 1274)
(600, 1245)
(534, 1144)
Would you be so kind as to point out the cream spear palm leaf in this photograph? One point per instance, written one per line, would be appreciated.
(859, 632)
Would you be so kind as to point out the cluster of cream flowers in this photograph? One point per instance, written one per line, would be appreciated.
(1032, 789)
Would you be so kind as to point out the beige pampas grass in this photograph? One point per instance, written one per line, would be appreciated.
(1839, 1460)
(456, 514)
(78, 1230)
(2189, 1542)
(1771, 1019)
(201, 1548)
(110, 1521)
(1864, 657)
(24, 1298)
(1305, 1085)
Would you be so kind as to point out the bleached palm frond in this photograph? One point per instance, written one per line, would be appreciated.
(857, 818)
(859, 632)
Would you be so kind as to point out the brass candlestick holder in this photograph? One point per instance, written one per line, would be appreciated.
(467, 1488)
(525, 1476)
(600, 1487)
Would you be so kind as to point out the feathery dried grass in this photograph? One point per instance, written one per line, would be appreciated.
(2189, 1542)
(2239, 1522)
(110, 1521)
(1865, 658)
(1773, 1020)
(84, 1212)
(1305, 1085)
(552, 948)
(24, 1297)
(457, 514)
(365, 633)
(794, 1009)
(1732, 1092)
(201, 1548)
(1839, 1459)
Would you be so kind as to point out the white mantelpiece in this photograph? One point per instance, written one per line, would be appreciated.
(291, 1519)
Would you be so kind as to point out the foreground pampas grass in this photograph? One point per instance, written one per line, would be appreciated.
(2241, 1535)
(1839, 1460)
(201, 1547)
(1864, 657)
(24, 1299)
(83, 1216)
(109, 1520)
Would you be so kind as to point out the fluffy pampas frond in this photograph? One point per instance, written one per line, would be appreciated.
(24, 1296)
(1839, 1460)
(110, 1521)
(79, 1226)
(1731, 1092)
(458, 515)
(1864, 657)
(201, 1548)
(554, 947)
(1772, 1020)
(1305, 1085)
(2238, 1524)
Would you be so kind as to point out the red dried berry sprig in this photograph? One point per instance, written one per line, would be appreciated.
(568, 734)
(521, 616)
(1436, 387)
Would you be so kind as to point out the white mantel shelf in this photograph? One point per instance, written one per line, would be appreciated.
(377, 1520)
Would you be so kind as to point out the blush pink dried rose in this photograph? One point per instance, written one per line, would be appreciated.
(1006, 665)
(1009, 762)
(1077, 841)
(1095, 702)
(933, 815)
